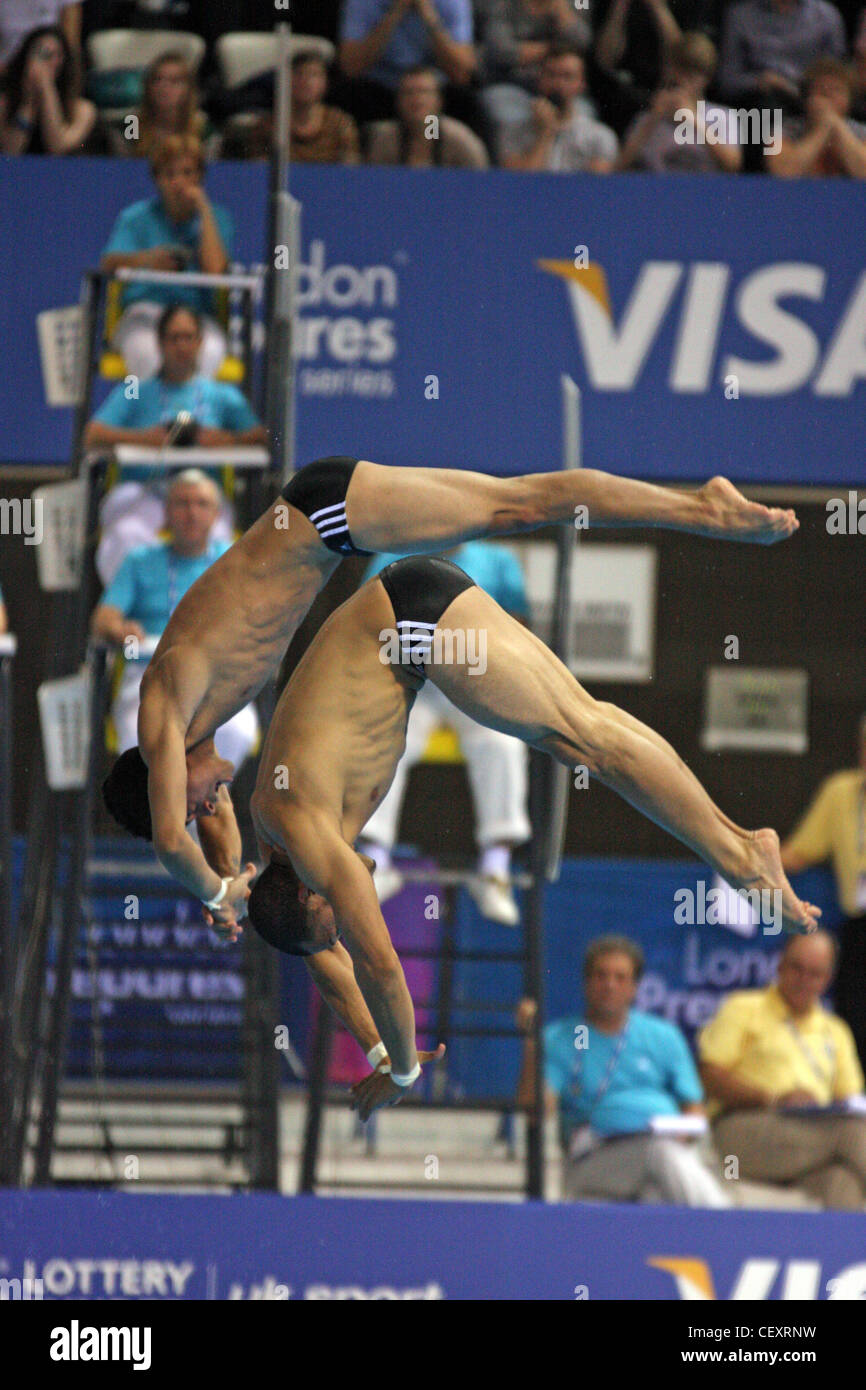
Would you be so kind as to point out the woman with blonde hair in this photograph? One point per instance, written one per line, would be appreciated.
(169, 106)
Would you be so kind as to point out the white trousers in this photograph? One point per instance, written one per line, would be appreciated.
(497, 766)
(133, 514)
(135, 338)
(643, 1168)
(234, 740)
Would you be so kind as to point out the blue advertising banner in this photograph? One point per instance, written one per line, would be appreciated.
(262, 1246)
(714, 324)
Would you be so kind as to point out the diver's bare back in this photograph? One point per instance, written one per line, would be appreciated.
(339, 728)
(230, 630)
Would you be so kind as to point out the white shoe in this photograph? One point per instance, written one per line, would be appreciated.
(495, 899)
(387, 883)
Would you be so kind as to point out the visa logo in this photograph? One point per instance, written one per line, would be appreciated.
(615, 353)
(756, 1278)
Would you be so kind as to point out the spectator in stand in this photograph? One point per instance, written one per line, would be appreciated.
(178, 230)
(767, 45)
(382, 39)
(771, 1053)
(421, 136)
(219, 414)
(18, 19)
(834, 828)
(135, 608)
(40, 111)
(610, 1072)
(496, 763)
(320, 134)
(4, 621)
(515, 38)
(826, 142)
(635, 39)
(560, 136)
(681, 132)
(169, 106)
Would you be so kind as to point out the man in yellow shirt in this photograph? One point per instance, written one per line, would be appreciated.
(834, 828)
(774, 1061)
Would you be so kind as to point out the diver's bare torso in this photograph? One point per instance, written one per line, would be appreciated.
(339, 729)
(230, 631)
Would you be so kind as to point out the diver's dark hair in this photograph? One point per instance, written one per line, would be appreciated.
(124, 792)
(275, 912)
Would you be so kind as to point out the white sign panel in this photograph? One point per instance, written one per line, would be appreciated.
(613, 607)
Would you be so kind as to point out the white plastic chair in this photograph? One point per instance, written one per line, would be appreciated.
(245, 55)
(136, 48)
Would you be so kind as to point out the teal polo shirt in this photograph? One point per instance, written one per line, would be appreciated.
(145, 225)
(647, 1070)
(153, 579)
(216, 404)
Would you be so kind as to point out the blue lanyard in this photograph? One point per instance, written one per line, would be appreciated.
(172, 581)
(613, 1062)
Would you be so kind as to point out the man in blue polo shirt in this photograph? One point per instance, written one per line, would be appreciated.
(613, 1073)
(495, 762)
(380, 40)
(135, 608)
(145, 413)
(178, 230)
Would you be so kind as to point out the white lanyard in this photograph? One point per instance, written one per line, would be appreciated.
(167, 414)
(814, 1065)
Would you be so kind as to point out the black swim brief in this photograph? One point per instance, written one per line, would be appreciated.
(319, 491)
(420, 589)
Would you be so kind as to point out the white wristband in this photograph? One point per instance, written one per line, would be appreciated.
(375, 1055)
(215, 902)
(408, 1078)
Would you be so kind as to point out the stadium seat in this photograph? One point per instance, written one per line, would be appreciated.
(243, 56)
(110, 49)
(111, 363)
(443, 746)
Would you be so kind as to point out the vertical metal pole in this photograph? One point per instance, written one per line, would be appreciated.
(7, 932)
(534, 971)
(260, 1076)
(283, 230)
(560, 636)
(30, 984)
(91, 298)
(549, 785)
(71, 922)
(445, 992)
(318, 1080)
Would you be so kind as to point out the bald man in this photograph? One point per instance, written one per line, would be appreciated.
(774, 1060)
(229, 633)
(339, 731)
(137, 604)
